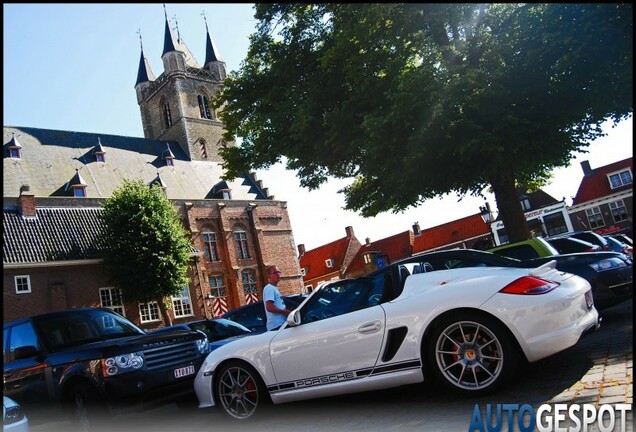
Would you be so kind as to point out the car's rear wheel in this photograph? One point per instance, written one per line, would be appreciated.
(471, 353)
(240, 390)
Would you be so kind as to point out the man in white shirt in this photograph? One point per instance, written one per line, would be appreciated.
(275, 310)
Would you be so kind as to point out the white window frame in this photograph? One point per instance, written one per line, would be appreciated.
(182, 304)
(20, 281)
(112, 298)
(617, 208)
(620, 177)
(149, 312)
(595, 213)
(329, 262)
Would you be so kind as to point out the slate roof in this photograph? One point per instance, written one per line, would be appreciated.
(452, 232)
(49, 159)
(596, 185)
(54, 234)
(393, 248)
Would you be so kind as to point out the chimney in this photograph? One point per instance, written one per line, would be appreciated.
(301, 250)
(349, 231)
(368, 241)
(587, 170)
(26, 201)
(416, 229)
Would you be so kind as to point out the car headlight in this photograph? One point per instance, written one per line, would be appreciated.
(608, 264)
(12, 414)
(203, 345)
(122, 363)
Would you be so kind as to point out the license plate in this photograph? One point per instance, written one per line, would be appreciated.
(589, 299)
(184, 371)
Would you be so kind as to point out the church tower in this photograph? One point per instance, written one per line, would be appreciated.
(176, 106)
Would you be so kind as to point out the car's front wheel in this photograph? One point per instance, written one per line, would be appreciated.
(471, 353)
(88, 411)
(240, 390)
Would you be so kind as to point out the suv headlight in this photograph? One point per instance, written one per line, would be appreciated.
(608, 264)
(203, 345)
(122, 363)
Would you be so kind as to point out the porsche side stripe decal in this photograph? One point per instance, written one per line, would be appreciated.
(345, 376)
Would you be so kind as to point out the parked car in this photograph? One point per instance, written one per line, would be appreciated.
(566, 245)
(591, 237)
(13, 417)
(609, 273)
(94, 362)
(618, 246)
(527, 249)
(468, 329)
(217, 329)
(252, 315)
(624, 238)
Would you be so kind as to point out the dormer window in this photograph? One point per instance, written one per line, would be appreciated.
(76, 185)
(15, 153)
(168, 157)
(99, 152)
(525, 203)
(79, 191)
(15, 149)
(329, 263)
(619, 179)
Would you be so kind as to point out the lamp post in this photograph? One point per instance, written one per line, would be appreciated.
(487, 217)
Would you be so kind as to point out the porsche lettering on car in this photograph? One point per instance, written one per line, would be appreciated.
(466, 328)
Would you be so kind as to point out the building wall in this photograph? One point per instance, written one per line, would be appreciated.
(580, 221)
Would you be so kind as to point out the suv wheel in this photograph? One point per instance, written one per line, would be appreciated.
(87, 410)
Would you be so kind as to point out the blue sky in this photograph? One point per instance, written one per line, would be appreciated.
(73, 67)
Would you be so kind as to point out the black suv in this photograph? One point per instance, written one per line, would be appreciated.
(95, 363)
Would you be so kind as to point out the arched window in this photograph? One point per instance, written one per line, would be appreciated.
(167, 117)
(204, 108)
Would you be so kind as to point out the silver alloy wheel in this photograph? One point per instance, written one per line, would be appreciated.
(238, 390)
(469, 355)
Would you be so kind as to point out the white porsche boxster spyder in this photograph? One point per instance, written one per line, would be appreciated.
(467, 328)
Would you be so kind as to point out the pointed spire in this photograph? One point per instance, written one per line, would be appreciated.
(167, 153)
(210, 48)
(144, 73)
(76, 181)
(169, 43)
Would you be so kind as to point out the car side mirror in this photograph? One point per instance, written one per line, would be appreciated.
(25, 352)
(293, 319)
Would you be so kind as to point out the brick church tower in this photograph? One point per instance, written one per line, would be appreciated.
(175, 106)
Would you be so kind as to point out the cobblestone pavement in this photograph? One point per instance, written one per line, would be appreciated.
(596, 371)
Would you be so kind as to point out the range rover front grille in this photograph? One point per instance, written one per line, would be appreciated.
(170, 354)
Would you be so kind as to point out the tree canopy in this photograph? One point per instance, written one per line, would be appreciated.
(145, 247)
(414, 101)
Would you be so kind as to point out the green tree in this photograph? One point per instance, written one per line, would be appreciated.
(145, 247)
(415, 101)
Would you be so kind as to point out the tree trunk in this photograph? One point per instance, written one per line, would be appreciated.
(509, 207)
(164, 312)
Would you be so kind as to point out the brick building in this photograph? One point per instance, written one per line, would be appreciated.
(54, 183)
